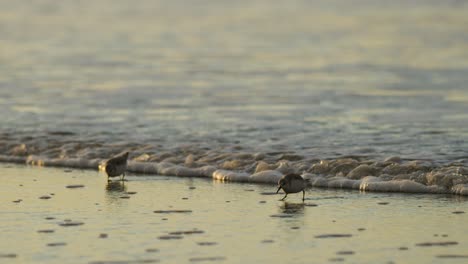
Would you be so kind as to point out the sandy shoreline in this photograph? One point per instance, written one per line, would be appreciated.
(71, 215)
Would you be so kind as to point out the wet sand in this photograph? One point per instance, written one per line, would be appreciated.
(162, 219)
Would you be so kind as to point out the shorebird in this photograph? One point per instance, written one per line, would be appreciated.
(292, 183)
(116, 166)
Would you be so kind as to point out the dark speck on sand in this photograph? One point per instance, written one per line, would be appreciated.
(203, 259)
(171, 211)
(56, 244)
(75, 186)
(440, 243)
(11, 255)
(333, 235)
(70, 223)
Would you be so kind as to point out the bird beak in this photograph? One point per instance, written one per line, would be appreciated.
(279, 188)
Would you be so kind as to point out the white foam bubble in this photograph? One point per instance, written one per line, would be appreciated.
(461, 189)
(390, 175)
(225, 175)
(406, 186)
(268, 176)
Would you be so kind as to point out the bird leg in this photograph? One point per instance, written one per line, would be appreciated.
(284, 197)
(303, 195)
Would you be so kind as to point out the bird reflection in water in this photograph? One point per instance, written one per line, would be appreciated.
(116, 187)
(115, 190)
(292, 208)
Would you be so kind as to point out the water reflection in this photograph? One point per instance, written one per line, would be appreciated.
(292, 208)
(116, 187)
(115, 190)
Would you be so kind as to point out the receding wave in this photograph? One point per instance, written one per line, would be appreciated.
(232, 163)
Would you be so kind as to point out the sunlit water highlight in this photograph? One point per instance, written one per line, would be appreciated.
(233, 222)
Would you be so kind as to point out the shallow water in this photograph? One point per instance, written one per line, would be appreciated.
(320, 80)
(233, 222)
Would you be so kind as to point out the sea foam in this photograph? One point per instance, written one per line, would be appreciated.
(392, 174)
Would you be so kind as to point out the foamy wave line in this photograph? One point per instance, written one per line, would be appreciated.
(267, 176)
